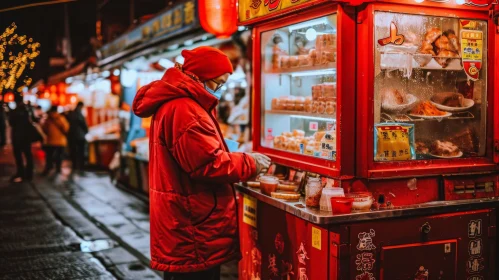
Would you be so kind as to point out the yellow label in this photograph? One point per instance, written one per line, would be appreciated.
(249, 210)
(472, 45)
(316, 238)
(250, 9)
(393, 143)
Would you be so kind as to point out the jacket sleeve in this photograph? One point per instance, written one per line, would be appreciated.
(199, 153)
(64, 124)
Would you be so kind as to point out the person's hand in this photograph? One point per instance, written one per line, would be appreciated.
(262, 162)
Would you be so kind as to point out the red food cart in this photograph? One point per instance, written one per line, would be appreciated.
(396, 99)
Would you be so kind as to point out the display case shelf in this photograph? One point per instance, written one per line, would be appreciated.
(407, 118)
(315, 70)
(322, 117)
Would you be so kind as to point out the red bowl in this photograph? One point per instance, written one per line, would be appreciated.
(341, 205)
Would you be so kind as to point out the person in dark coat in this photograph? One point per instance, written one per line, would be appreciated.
(20, 120)
(76, 136)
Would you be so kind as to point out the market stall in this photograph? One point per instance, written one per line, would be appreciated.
(101, 108)
(142, 55)
(380, 119)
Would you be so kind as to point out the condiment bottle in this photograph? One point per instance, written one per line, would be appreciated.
(327, 193)
(313, 192)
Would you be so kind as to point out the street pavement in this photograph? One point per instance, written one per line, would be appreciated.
(45, 224)
(44, 237)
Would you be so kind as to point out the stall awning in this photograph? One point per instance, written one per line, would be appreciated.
(178, 20)
(61, 77)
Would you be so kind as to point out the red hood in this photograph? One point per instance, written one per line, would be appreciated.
(173, 85)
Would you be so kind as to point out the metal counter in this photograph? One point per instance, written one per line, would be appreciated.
(326, 218)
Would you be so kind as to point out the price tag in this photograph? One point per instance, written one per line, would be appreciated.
(249, 210)
(313, 126)
(316, 238)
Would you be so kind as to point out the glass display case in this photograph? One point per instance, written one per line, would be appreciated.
(298, 88)
(430, 87)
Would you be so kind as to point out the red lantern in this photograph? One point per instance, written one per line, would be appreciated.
(218, 17)
(8, 97)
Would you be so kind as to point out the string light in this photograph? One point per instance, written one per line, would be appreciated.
(12, 67)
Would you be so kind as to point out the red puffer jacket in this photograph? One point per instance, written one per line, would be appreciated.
(192, 201)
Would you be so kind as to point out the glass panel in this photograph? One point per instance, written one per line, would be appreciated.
(299, 88)
(430, 92)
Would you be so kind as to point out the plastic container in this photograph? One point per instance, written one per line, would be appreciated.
(362, 201)
(327, 194)
(268, 184)
(313, 192)
(341, 205)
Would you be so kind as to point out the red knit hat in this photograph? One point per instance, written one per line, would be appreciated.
(206, 62)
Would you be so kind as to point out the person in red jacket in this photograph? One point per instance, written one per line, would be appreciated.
(192, 200)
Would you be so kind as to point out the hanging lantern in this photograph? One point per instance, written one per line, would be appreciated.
(218, 17)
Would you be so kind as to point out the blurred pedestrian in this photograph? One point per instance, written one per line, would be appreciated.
(56, 128)
(76, 137)
(20, 123)
(191, 171)
(3, 137)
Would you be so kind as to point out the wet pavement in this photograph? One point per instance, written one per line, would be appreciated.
(45, 237)
(56, 224)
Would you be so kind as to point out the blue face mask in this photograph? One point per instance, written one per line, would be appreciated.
(217, 93)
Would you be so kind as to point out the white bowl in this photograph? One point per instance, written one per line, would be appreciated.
(402, 108)
(467, 103)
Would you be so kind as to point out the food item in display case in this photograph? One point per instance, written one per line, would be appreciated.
(284, 61)
(422, 148)
(313, 192)
(393, 96)
(321, 107)
(308, 104)
(277, 52)
(298, 133)
(304, 60)
(328, 91)
(325, 46)
(394, 141)
(317, 92)
(454, 40)
(268, 184)
(443, 46)
(287, 196)
(445, 149)
(290, 103)
(444, 57)
(313, 56)
(449, 99)
(397, 101)
(425, 108)
(465, 140)
(328, 56)
(293, 61)
(300, 103)
(330, 107)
